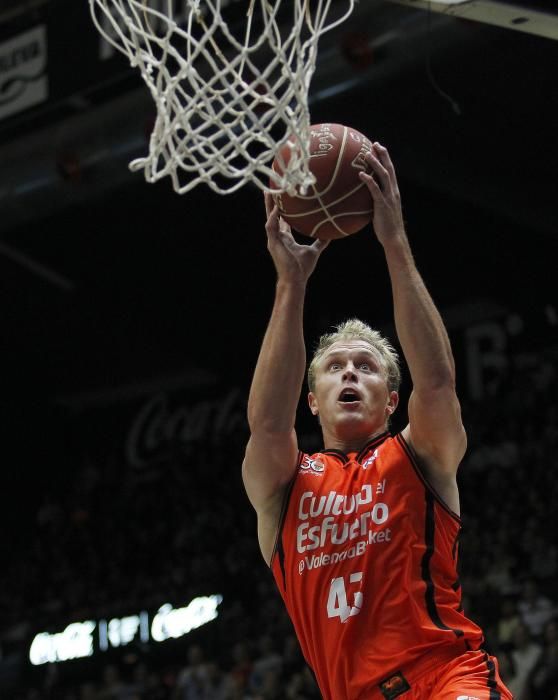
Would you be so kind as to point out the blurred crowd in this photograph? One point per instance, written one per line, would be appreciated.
(108, 546)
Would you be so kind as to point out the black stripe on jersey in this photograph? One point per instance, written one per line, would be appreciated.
(343, 456)
(429, 533)
(281, 555)
(373, 443)
(336, 453)
(278, 547)
(491, 681)
(456, 585)
(416, 466)
(455, 544)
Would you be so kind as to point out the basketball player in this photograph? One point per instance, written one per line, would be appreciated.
(362, 536)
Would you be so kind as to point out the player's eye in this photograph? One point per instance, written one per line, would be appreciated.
(334, 366)
(365, 366)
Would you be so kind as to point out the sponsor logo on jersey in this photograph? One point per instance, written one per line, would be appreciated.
(310, 465)
(315, 561)
(321, 521)
(333, 503)
(466, 697)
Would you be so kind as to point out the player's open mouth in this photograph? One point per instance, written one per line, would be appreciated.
(349, 396)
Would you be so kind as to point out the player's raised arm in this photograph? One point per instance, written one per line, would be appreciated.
(435, 430)
(272, 449)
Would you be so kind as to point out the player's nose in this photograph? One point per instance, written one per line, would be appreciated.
(350, 372)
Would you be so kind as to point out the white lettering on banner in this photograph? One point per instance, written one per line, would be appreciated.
(75, 642)
(487, 361)
(157, 427)
(170, 623)
(23, 75)
(121, 631)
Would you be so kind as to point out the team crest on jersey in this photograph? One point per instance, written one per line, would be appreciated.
(394, 686)
(312, 465)
(370, 460)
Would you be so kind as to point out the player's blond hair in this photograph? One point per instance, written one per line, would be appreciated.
(354, 329)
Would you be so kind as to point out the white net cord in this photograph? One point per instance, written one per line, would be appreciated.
(226, 100)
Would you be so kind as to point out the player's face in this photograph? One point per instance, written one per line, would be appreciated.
(351, 395)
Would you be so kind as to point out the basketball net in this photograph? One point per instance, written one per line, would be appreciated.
(226, 101)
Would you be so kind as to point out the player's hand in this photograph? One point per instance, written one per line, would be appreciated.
(388, 216)
(293, 262)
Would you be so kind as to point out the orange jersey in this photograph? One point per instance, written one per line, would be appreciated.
(365, 561)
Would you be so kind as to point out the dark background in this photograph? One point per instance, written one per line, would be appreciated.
(109, 282)
(112, 288)
(143, 267)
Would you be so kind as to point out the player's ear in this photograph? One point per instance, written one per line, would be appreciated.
(393, 402)
(313, 403)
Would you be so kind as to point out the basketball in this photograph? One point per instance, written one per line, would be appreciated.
(339, 203)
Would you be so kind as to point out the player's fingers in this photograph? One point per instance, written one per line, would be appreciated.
(285, 235)
(320, 245)
(383, 156)
(272, 223)
(284, 226)
(373, 159)
(371, 183)
(269, 203)
(382, 175)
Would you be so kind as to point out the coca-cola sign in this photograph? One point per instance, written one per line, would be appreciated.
(161, 427)
(23, 71)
